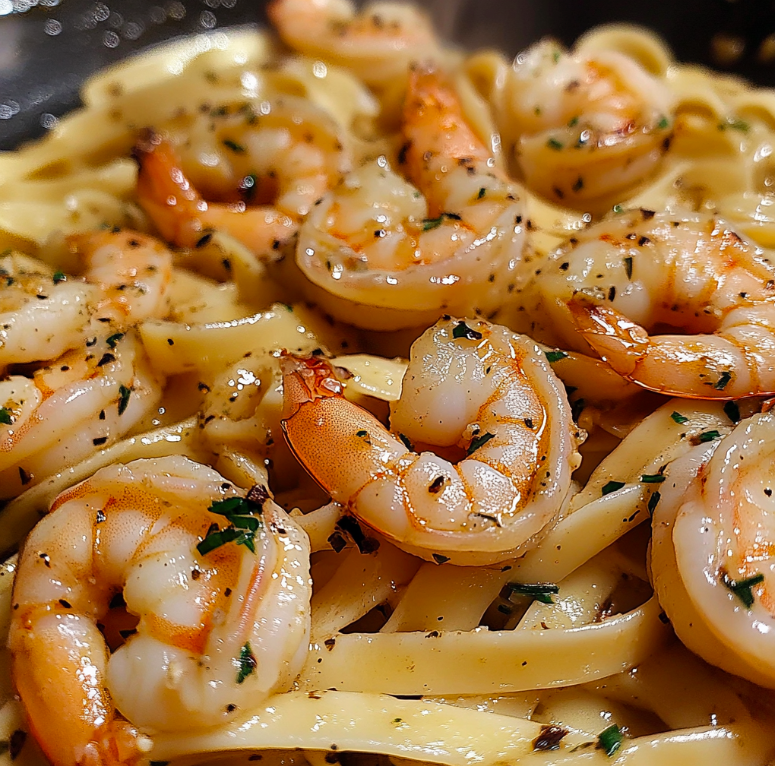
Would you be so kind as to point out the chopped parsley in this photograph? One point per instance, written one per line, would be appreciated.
(652, 478)
(123, 398)
(540, 591)
(246, 662)
(434, 223)
(610, 740)
(5, 416)
(573, 122)
(679, 418)
(555, 356)
(482, 192)
(462, 330)
(612, 486)
(721, 383)
(233, 145)
(732, 411)
(241, 514)
(734, 123)
(742, 588)
(113, 339)
(553, 143)
(663, 123)
(708, 436)
(59, 276)
(479, 441)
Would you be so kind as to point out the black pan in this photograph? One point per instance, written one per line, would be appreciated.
(48, 47)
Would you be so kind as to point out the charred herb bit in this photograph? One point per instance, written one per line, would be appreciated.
(24, 477)
(337, 542)
(653, 501)
(742, 588)
(246, 662)
(6, 418)
(732, 411)
(107, 358)
(549, 738)
(555, 356)
(628, 266)
(579, 185)
(123, 398)
(652, 478)
(233, 145)
(406, 442)
(721, 383)
(610, 740)
(482, 192)
(350, 526)
(679, 418)
(540, 591)
(439, 559)
(612, 486)
(708, 436)
(479, 441)
(577, 408)
(158, 763)
(462, 330)
(113, 339)
(363, 435)
(99, 441)
(16, 743)
(59, 276)
(553, 143)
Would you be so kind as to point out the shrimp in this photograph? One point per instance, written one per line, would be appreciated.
(589, 126)
(712, 552)
(42, 314)
(488, 401)
(640, 271)
(218, 581)
(406, 258)
(88, 398)
(378, 44)
(132, 270)
(269, 167)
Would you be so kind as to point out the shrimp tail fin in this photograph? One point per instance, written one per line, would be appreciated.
(305, 379)
(619, 342)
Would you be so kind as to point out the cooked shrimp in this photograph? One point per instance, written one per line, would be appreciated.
(86, 399)
(378, 43)
(132, 270)
(479, 394)
(42, 314)
(223, 616)
(614, 282)
(379, 242)
(588, 127)
(264, 170)
(713, 550)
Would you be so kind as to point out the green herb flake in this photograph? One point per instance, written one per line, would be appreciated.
(6, 418)
(482, 192)
(241, 513)
(246, 662)
(721, 383)
(708, 436)
(742, 588)
(652, 478)
(556, 56)
(663, 124)
(732, 411)
(734, 123)
(653, 501)
(573, 122)
(612, 486)
(113, 339)
(555, 356)
(679, 418)
(123, 398)
(553, 143)
(59, 276)
(462, 330)
(610, 740)
(479, 441)
(540, 591)
(434, 223)
(233, 145)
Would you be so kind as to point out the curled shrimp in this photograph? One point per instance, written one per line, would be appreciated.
(265, 169)
(487, 400)
(222, 616)
(406, 257)
(88, 398)
(614, 282)
(378, 43)
(712, 559)
(589, 126)
(42, 314)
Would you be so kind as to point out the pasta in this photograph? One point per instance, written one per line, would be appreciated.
(365, 400)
